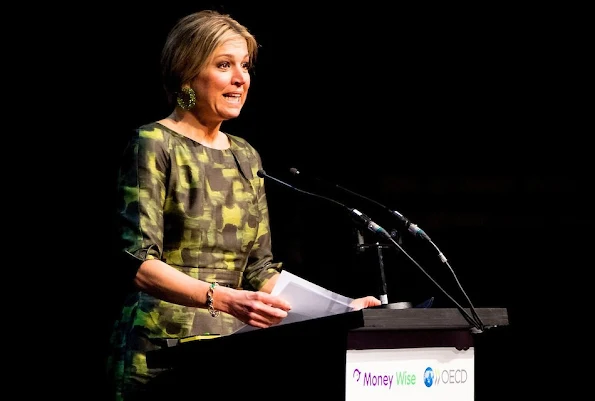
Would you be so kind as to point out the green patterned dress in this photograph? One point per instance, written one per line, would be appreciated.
(204, 212)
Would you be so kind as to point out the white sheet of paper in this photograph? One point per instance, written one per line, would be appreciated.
(307, 300)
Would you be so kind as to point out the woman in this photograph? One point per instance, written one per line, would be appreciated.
(193, 218)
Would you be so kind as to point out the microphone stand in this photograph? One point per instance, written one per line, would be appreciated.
(361, 247)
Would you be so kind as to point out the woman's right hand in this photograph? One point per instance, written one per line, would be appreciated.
(256, 308)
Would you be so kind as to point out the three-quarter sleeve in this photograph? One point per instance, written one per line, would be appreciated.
(141, 186)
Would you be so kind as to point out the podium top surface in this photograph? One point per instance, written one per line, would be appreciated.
(431, 318)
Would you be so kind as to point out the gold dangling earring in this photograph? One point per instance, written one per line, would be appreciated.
(187, 98)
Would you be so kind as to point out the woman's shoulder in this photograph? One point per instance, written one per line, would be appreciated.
(153, 128)
(155, 132)
(150, 137)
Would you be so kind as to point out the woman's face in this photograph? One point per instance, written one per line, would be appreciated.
(222, 86)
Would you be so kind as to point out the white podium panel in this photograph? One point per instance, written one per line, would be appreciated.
(440, 373)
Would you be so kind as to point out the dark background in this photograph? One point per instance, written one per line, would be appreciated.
(463, 120)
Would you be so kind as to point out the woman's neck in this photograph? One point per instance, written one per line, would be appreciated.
(185, 123)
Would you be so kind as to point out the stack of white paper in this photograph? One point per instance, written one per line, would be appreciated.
(307, 300)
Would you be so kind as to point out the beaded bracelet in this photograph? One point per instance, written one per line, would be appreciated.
(210, 308)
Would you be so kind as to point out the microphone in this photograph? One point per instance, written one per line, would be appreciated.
(412, 228)
(356, 214)
(372, 226)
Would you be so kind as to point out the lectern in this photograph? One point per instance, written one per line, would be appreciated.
(370, 354)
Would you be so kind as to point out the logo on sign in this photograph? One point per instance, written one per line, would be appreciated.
(447, 376)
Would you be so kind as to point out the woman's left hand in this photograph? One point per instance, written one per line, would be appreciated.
(364, 302)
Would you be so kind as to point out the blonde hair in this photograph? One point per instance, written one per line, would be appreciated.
(192, 41)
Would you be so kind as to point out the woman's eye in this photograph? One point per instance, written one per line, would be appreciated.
(224, 64)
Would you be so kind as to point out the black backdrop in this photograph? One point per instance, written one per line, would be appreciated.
(453, 117)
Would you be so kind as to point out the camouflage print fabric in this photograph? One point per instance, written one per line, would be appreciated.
(203, 211)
